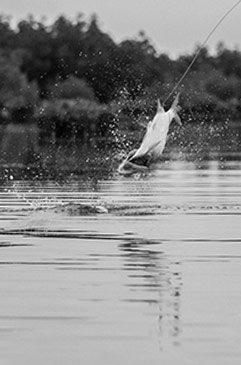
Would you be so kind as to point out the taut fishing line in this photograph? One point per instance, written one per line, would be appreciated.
(200, 48)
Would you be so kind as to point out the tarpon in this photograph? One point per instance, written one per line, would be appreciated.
(153, 142)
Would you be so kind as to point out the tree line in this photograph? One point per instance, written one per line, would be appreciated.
(72, 79)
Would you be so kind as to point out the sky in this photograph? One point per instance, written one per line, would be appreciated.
(174, 26)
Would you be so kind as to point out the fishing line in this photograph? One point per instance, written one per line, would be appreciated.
(200, 48)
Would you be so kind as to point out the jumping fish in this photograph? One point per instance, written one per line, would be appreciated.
(153, 142)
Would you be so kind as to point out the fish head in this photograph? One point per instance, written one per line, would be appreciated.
(128, 168)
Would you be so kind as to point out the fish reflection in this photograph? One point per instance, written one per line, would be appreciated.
(156, 280)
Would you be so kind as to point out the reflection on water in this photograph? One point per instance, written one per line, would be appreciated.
(126, 270)
(152, 271)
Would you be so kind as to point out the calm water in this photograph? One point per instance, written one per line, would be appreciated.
(149, 274)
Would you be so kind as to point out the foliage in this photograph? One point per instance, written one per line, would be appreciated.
(73, 70)
(73, 118)
(71, 88)
(15, 90)
(67, 110)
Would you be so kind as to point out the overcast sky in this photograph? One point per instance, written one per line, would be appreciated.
(174, 26)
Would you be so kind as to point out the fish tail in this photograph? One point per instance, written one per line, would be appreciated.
(176, 108)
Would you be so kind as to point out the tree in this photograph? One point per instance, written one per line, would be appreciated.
(34, 39)
(229, 61)
(15, 90)
(7, 35)
(71, 88)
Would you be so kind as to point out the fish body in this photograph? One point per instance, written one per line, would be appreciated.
(153, 142)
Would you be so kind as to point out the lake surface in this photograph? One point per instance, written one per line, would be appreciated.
(139, 270)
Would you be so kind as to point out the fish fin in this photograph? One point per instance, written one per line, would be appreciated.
(131, 154)
(160, 108)
(178, 119)
(175, 105)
